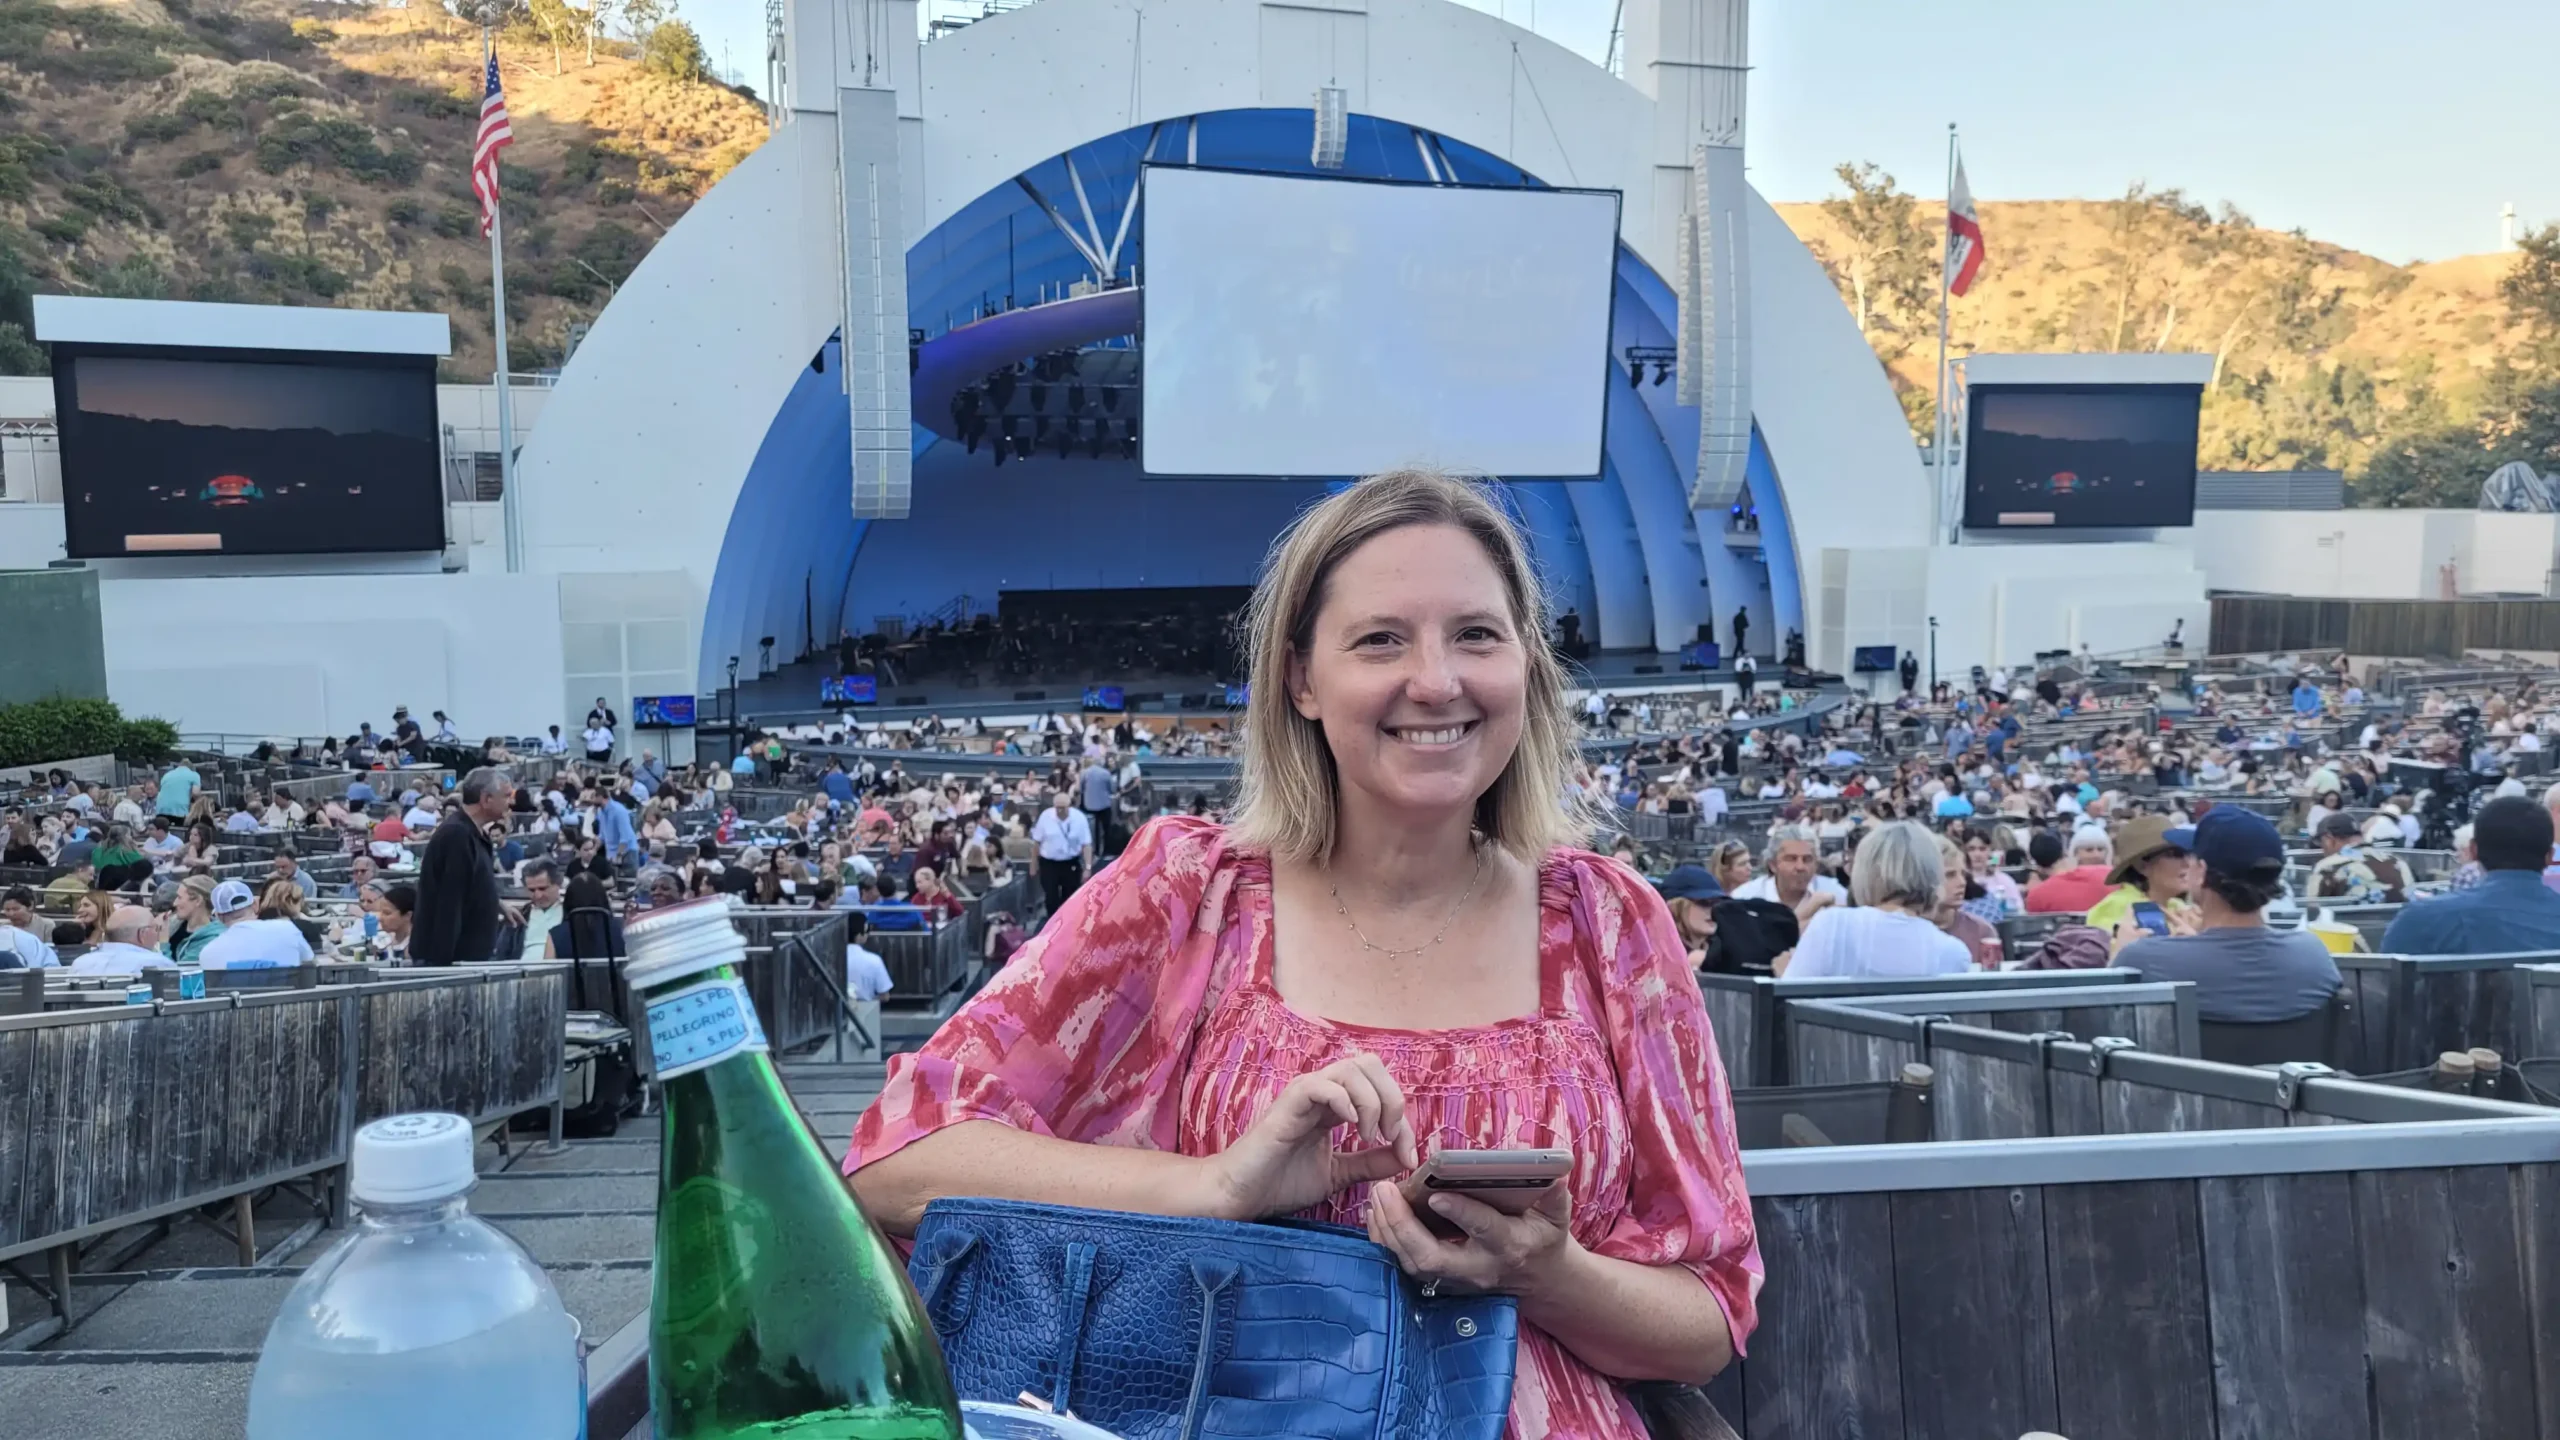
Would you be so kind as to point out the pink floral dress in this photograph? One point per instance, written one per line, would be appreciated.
(1144, 1015)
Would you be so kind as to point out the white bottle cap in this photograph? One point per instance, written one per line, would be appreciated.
(680, 940)
(411, 1159)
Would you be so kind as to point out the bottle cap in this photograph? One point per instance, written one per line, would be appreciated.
(680, 940)
(411, 1159)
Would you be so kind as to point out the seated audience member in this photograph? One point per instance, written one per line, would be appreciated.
(1794, 879)
(2152, 876)
(933, 897)
(1692, 894)
(2071, 890)
(588, 930)
(2351, 874)
(395, 913)
(133, 933)
(190, 904)
(1895, 880)
(247, 942)
(2242, 971)
(2508, 911)
(282, 900)
(1976, 934)
(22, 942)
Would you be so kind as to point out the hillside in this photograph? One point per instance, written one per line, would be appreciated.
(2324, 354)
(256, 150)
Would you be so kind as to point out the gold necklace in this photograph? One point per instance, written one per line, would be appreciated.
(1390, 951)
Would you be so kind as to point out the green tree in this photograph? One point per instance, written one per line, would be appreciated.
(674, 50)
(641, 17)
(2151, 239)
(2532, 287)
(1889, 258)
(559, 23)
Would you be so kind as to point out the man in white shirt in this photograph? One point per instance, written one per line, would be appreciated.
(599, 742)
(552, 744)
(129, 811)
(1065, 841)
(132, 934)
(247, 942)
(546, 891)
(422, 817)
(1791, 877)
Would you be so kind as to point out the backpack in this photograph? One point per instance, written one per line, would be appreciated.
(1750, 934)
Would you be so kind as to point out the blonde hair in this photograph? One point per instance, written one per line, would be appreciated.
(1287, 793)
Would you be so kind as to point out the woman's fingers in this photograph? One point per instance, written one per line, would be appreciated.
(1357, 1083)
(1322, 1104)
(1393, 1127)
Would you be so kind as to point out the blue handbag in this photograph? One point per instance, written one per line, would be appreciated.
(1157, 1328)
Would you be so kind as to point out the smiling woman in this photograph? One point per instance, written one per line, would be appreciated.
(1393, 951)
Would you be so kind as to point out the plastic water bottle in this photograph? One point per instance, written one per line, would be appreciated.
(424, 1323)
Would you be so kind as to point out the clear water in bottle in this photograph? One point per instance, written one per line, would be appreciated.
(424, 1323)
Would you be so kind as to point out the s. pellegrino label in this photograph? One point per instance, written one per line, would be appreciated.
(702, 1025)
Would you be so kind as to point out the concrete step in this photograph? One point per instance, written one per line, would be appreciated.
(84, 1397)
(511, 1194)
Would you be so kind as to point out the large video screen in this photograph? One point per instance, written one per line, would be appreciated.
(1320, 328)
(2080, 456)
(284, 454)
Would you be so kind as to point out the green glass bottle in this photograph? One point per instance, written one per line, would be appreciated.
(777, 1308)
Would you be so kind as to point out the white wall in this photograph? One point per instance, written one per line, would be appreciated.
(2001, 604)
(317, 654)
(2372, 554)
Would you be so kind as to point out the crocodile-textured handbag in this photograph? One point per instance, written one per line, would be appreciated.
(1159, 1328)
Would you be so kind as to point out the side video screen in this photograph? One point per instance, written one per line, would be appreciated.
(292, 455)
(2080, 455)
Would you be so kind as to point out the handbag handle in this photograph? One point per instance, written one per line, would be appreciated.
(1212, 1274)
(1076, 1302)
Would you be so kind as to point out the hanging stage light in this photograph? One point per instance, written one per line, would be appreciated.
(1661, 372)
(1129, 440)
(1075, 399)
(1000, 388)
(1066, 437)
(1093, 444)
(1635, 373)
(1022, 447)
(1039, 396)
(1111, 398)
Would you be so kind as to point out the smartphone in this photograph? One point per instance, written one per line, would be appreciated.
(1508, 1180)
(2149, 915)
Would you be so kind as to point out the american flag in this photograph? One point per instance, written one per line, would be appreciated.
(495, 135)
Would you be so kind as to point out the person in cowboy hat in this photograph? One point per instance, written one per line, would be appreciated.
(2152, 875)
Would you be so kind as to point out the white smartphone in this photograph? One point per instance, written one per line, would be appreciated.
(1508, 1180)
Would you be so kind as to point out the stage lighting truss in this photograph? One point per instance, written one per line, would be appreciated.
(1662, 358)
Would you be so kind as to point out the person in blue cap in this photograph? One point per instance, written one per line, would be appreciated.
(2243, 971)
(1692, 893)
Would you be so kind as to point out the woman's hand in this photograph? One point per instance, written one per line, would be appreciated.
(1287, 1162)
(1505, 1254)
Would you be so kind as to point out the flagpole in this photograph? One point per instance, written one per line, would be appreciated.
(1946, 251)
(507, 507)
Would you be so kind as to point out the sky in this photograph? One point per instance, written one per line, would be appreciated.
(2398, 130)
